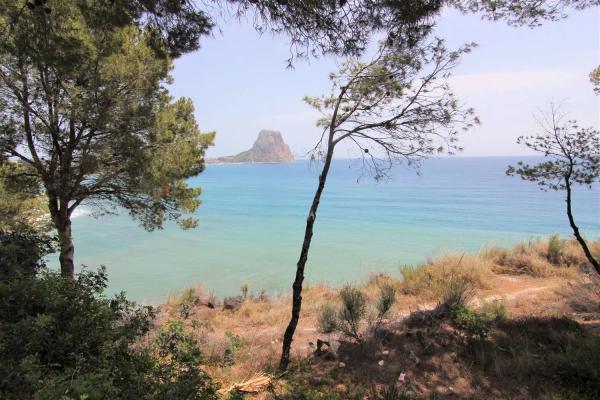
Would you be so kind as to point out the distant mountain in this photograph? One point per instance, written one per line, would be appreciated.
(269, 147)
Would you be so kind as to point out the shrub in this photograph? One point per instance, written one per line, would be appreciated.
(457, 291)
(555, 247)
(244, 289)
(473, 323)
(385, 300)
(63, 339)
(431, 280)
(187, 301)
(495, 310)
(21, 253)
(578, 366)
(352, 312)
(176, 374)
(327, 321)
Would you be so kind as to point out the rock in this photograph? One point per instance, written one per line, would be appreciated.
(385, 352)
(342, 365)
(380, 363)
(269, 147)
(232, 303)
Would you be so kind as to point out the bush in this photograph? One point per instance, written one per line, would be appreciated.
(555, 247)
(63, 339)
(431, 280)
(327, 321)
(473, 323)
(385, 300)
(578, 366)
(21, 253)
(352, 312)
(495, 310)
(187, 301)
(176, 374)
(457, 291)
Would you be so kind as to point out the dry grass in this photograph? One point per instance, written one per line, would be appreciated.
(259, 324)
(537, 259)
(431, 281)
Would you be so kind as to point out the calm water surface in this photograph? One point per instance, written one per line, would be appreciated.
(252, 223)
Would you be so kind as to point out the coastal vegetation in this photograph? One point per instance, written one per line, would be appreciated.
(500, 323)
(94, 122)
(86, 118)
(572, 157)
(398, 107)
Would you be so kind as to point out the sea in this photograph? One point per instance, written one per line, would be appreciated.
(252, 221)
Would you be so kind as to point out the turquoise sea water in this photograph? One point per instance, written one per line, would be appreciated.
(253, 215)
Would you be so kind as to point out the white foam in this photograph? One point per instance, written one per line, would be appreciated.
(80, 212)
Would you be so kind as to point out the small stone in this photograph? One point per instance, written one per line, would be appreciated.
(385, 352)
(381, 362)
(342, 365)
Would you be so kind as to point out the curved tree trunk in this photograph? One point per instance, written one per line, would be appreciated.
(297, 286)
(582, 242)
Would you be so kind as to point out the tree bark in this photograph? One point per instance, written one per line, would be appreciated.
(67, 250)
(61, 218)
(582, 242)
(297, 286)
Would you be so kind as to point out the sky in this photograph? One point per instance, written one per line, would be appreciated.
(239, 82)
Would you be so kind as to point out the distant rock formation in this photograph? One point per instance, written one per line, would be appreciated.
(269, 147)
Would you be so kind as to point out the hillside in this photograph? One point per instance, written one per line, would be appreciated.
(269, 147)
(525, 326)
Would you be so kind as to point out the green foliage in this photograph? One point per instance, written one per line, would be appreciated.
(327, 321)
(391, 392)
(522, 12)
(352, 312)
(64, 339)
(572, 155)
(577, 367)
(187, 301)
(595, 79)
(555, 248)
(473, 323)
(177, 368)
(99, 125)
(385, 300)
(457, 291)
(495, 310)
(236, 342)
(21, 253)
(21, 201)
(299, 391)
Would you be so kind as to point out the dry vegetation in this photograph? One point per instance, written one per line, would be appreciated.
(498, 324)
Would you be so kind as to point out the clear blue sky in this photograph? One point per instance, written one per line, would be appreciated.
(239, 82)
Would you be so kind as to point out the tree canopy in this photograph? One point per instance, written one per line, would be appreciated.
(572, 157)
(83, 105)
(396, 107)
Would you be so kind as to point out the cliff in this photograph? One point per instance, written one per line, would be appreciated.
(269, 147)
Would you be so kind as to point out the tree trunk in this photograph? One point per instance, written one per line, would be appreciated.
(297, 286)
(67, 250)
(62, 222)
(582, 242)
